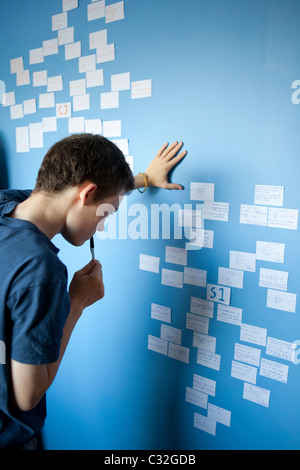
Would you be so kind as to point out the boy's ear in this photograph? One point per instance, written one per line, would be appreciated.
(87, 192)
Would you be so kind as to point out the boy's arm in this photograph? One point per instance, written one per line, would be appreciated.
(30, 382)
(157, 172)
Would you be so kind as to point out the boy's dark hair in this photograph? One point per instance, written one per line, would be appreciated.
(85, 157)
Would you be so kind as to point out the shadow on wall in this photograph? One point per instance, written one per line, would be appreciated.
(3, 165)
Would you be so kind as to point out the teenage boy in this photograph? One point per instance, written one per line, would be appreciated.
(37, 312)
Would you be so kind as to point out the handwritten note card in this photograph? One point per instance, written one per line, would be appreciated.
(172, 278)
(269, 195)
(202, 191)
(256, 394)
(149, 263)
(281, 300)
(161, 313)
(270, 251)
(273, 279)
(254, 215)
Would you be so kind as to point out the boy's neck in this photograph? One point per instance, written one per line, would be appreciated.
(46, 211)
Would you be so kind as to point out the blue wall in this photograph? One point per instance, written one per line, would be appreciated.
(222, 74)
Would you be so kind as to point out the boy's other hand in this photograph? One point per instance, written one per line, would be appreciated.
(87, 286)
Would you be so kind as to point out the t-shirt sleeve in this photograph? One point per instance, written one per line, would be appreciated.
(38, 315)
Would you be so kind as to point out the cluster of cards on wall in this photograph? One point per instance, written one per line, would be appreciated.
(247, 362)
(82, 90)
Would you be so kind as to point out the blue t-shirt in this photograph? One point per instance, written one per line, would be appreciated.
(34, 305)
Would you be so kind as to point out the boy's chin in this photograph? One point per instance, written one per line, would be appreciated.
(73, 241)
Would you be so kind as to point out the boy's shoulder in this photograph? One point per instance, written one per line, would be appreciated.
(10, 197)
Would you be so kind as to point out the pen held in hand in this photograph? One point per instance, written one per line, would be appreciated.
(92, 247)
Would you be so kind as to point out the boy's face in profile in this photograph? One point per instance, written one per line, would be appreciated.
(88, 215)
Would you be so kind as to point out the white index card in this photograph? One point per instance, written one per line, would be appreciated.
(283, 218)
(247, 354)
(176, 255)
(46, 100)
(172, 278)
(282, 349)
(122, 144)
(190, 217)
(220, 415)
(9, 99)
(75, 125)
(114, 12)
(22, 139)
(274, 370)
(218, 293)
(202, 191)
(196, 397)
(281, 300)
(157, 345)
(36, 135)
(202, 307)
(94, 78)
(254, 215)
(161, 313)
(55, 83)
(243, 261)
(49, 124)
(229, 314)
(93, 126)
(120, 81)
(36, 56)
(106, 53)
(29, 106)
(40, 78)
(179, 352)
(112, 128)
(256, 394)
(69, 4)
(149, 263)
(73, 51)
(204, 341)
(208, 359)
(59, 21)
(216, 211)
(63, 110)
(231, 277)
(253, 334)
(81, 102)
(269, 195)
(77, 87)
(16, 111)
(50, 47)
(109, 100)
(243, 372)
(205, 424)
(204, 385)
(273, 279)
(169, 333)
(98, 39)
(87, 63)
(96, 10)
(141, 89)
(268, 251)
(197, 322)
(16, 65)
(65, 36)
(195, 277)
(23, 78)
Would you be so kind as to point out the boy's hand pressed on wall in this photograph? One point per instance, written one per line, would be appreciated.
(165, 160)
